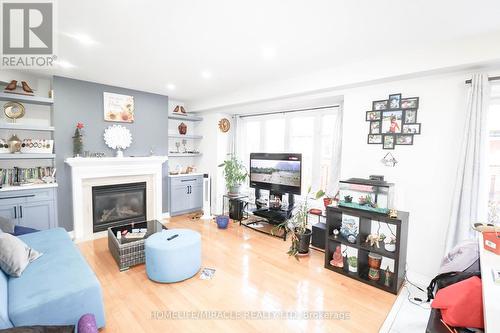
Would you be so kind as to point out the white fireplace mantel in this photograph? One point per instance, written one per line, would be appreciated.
(89, 172)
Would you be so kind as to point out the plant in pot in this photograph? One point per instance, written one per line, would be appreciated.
(390, 243)
(297, 226)
(353, 264)
(235, 174)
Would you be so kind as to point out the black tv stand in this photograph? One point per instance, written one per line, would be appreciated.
(274, 216)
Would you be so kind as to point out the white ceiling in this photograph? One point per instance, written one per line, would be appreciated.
(146, 45)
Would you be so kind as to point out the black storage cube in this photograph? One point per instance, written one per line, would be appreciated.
(318, 235)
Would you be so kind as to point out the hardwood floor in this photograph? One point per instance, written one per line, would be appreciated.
(253, 273)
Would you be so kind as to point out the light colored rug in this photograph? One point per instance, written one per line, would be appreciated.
(408, 315)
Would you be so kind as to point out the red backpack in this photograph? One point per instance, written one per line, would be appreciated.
(461, 303)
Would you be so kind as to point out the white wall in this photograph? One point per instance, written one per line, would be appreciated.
(215, 147)
(425, 174)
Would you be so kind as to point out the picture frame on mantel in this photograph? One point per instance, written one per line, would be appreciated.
(118, 108)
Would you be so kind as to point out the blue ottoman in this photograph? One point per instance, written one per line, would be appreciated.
(172, 259)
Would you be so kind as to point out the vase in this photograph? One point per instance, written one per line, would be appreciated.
(304, 241)
(234, 190)
(182, 129)
(14, 144)
(77, 143)
(391, 247)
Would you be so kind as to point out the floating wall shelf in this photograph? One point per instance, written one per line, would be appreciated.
(183, 155)
(21, 156)
(26, 99)
(192, 137)
(26, 127)
(186, 118)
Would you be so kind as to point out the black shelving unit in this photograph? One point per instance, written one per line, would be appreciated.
(366, 218)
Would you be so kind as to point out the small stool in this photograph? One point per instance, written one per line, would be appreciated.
(173, 259)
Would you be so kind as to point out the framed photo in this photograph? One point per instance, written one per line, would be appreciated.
(409, 103)
(380, 105)
(375, 127)
(372, 115)
(404, 139)
(374, 139)
(410, 116)
(388, 141)
(392, 121)
(411, 129)
(118, 108)
(395, 101)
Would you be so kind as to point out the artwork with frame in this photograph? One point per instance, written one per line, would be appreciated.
(375, 127)
(411, 129)
(373, 115)
(409, 103)
(404, 139)
(374, 139)
(388, 141)
(410, 116)
(380, 105)
(394, 101)
(118, 108)
(393, 121)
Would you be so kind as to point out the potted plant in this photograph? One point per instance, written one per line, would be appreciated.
(353, 264)
(390, 243)
(235, 174)
(297, 226)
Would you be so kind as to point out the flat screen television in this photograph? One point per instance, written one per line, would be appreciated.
(279, 173)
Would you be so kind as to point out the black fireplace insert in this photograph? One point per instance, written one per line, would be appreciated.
(115, 205)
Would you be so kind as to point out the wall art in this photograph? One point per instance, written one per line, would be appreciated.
(118, 108)
(393, 121)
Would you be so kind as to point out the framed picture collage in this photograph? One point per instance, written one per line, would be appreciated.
(393, 121)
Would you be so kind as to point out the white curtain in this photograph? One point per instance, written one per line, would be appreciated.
(470, 199)
(333, 183)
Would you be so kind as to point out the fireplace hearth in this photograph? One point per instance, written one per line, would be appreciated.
(115, 205)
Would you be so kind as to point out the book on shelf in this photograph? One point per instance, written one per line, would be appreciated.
(14, 176)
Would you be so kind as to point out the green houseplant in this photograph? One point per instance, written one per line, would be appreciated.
(353, 264)
(297, 226)
(235, 174)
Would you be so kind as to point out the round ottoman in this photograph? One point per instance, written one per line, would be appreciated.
(173, 255)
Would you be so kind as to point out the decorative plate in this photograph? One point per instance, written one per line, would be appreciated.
(117, 137)
(13, 110)
(224, 125)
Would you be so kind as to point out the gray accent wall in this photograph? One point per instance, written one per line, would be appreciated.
(81, 101)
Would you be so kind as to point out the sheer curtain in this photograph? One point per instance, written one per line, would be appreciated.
(470, 199)
(317, 134)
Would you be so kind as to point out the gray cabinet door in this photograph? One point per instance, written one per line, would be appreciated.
(9, 212)
(196, 197)
(38, 215)
(179, 199)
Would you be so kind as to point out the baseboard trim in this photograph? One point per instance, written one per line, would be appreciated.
(165, 215)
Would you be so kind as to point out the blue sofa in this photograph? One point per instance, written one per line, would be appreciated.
(56, 289)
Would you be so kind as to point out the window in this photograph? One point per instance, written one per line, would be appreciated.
(306, 132)
(494, 155)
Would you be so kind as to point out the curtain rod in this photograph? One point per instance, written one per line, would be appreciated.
(493, 78)
(287, 111)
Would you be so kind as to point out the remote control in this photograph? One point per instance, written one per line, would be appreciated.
(172, 237)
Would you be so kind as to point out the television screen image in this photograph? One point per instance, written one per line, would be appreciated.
(279, 172)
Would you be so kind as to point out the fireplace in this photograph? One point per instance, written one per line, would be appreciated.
(115, 205)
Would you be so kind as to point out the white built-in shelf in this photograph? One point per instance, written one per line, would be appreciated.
(21, 156)
(186, 136)
(183, 155)
(184, 117)
(26, 99)
(25, 127)
(27, 187)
